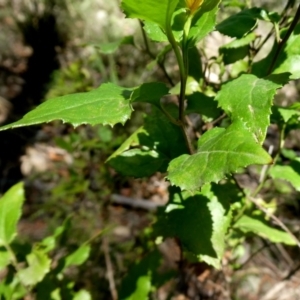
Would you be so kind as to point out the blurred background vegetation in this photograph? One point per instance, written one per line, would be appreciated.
(50, 48)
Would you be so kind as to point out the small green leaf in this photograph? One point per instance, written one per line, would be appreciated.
(4, 258)
(78, 257)
(203, 23)
(109, 48)
(237, 49)
(82, 295)
(108, 104)
(158, 12)
(49, 242)
(38, 266)
(138, 282)
(10, 213)
(256, 225)
(249, 100)
(290, 173)
(220, 151)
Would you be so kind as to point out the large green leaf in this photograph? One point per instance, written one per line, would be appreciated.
(108, 104)
(138, 282)
(249, 100)
(220, 151)
(38, 266)
(159, 12)
(260, 227)
(200, 221)
(290, 173)
(150, 148)
(288, 59)
(10, 213)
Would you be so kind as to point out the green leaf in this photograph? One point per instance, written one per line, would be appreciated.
(108, 48)
(82, 295)
(138, 282)
(49, 242)
(158, 12)
(288, 59)
(256, 225)
(200, 221)
(150, 93)
(38, 266)
(249, 100)
(192, 86)
(155, 32)
(108, 104)
(239, 24)
(150, 148)
(203, 105)
(4, 258)
(10, 213)
(220, 151)
(203, 23)
(195, 64)
(78, 257)
(290, 173)
(237, 49)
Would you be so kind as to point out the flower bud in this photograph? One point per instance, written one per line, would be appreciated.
(193, 5)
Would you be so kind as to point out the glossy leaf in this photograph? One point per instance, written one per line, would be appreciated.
(138, 282)
(10, 213)
(258, 226)
(200, 221)
(108, 104)
(220, 152)
(38, 266)
(158, 12)
(290, 173)
(249, 100)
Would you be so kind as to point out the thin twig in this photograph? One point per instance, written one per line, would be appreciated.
(136, 203)
(110, 271)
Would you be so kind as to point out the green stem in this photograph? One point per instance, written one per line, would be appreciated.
(182, 60)
(182, 71)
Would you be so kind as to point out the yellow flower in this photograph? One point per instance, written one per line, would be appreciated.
(193, 5)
